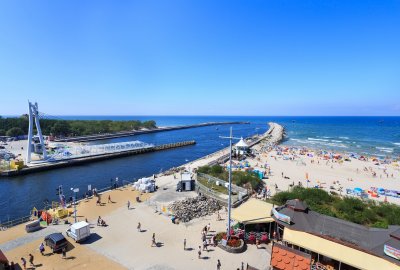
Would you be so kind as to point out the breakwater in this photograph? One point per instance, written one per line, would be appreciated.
(139, 132)
(78, 161)
(274, 135)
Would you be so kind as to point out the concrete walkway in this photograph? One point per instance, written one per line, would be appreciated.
(121, 242)
(29, 237)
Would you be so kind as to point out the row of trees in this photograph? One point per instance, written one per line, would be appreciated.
(241, 179)
(368, 213)
(19, 126)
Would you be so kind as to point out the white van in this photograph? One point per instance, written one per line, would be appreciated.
(79, 231)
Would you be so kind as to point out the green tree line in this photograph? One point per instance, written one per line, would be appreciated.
(369, 213)
(19, 126)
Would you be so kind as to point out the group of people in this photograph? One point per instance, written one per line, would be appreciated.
(23, 262)
(207, 242)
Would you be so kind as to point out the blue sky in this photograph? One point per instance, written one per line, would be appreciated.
(202, 57)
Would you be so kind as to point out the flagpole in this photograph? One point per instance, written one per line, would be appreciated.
(228, 229)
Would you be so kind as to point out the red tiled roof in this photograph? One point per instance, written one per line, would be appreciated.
(286, 260)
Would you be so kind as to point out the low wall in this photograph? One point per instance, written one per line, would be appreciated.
(222, 198)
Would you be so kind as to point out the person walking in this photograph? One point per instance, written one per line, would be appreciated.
(23, 262)
(31, 260)
(139, 227)
(153, 240)
(184, 244)
(129, 205)
(218, 265)
(64, 253)
(109, 199)
(205, 245)
(199, 252)
(41, 249)
(203, 236)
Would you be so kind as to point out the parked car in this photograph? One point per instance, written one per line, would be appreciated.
(56, 241)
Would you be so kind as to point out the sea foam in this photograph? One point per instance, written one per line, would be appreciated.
(315, 139)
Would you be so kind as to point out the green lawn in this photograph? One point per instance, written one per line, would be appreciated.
(213, 186)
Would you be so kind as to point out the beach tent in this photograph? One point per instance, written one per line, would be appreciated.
(241, 147)
(242, 144)
(252, 212)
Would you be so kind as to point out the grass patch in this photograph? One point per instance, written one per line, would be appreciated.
(213, 186)
(239, 178)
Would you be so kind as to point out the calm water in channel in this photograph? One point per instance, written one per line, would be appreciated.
(365, 135)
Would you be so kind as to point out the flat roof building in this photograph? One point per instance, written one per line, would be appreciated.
(334, 242)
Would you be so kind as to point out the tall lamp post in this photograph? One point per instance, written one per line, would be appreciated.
(75, 190)
(228, 229)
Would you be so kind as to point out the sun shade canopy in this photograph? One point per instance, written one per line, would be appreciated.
(252, 212)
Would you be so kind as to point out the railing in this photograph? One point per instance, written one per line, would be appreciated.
(159, 207)
(237, 199)
(11, 223)
(211, 194)
(174, 145)
(214, 179)
(101, 149)
(8, 224)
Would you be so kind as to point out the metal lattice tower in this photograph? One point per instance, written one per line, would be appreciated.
(34, 116)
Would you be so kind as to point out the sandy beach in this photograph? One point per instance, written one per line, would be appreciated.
(293, 167)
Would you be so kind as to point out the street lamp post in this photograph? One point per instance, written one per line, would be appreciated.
(75, 190)
(228, 230)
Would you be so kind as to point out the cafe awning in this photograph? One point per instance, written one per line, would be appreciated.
(252, 212)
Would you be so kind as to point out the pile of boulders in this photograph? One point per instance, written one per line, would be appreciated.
(174, 170)
(192, 208)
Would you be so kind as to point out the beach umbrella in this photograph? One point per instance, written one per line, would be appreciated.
(381, 190)
(358, 189)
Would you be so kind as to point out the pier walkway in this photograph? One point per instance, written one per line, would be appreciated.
(45, 166)
(139, 132)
